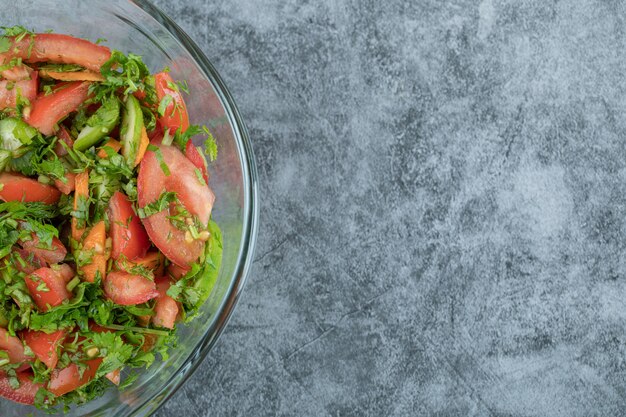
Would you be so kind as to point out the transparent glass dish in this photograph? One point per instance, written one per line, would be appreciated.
(139, 27)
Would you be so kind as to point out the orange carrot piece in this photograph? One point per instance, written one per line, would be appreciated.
(143, 146)
(111, 143)
(81, 191)
(95, 242)
(72, 76)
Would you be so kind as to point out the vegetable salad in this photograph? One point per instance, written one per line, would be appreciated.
(106, 236)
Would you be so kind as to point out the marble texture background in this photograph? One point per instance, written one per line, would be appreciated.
(443, 218)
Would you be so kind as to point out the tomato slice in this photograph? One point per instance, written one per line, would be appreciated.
(10, 90)
(55, 254)
(127, 289)
(26, 392)
(65, 271)
(17, 73)
(165, 308)
(193, 154)
(48, 110)
(68, 379)
(13, 346)
(64, 136)
(195, 196)
(176, 271)
(31, 262)
(52, 291)
(127, 233)
(95, 242)
(45, 346)
(16, 187)
(175, 114)
(63, 49)
(69, 185)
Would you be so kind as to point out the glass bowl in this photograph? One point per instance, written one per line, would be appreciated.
(139, 27)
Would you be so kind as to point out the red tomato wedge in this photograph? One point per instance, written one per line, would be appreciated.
(17, 73)
(196, 197)
(96, 242)
(127, 233)
(16, 187)
(165, 308)
(26, 392)
(65, 271)
(176, 271)
(63, 49)
(64, 136)
(52, 291)
(48, 110)
(195, 156)
(175, 114)
(126, 289)
(10, 90)
(114, 376)
(31, 262)
(55, 254)
(68, 379)
(68, 186)
(13, 346)
(45, 346)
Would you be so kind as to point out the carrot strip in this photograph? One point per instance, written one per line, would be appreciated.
(72, 76)
(111, 143)
(143, 146)
(81, 191)
(95, 242)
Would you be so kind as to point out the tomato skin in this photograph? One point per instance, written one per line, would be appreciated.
(54, 255)
(127, 233)
(58, 48)
(17, 73)
(16, 187)
(44, 345)
(13, 346)
(68, 186)
(64, 136)
(68, 379)
(26, 392)
(175, 114)
(9, 91)
(55, 283)
(48, 110)
(126, 289)
(193, 154)
(65, 271)
(31, 262)
(196, 197)
(176, 271)
(165, 308)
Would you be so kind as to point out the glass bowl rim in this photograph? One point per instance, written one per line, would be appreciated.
(251, 214)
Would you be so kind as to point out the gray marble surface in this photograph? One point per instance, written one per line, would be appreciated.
(443, 219)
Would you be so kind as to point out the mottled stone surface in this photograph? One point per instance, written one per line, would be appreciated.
(443, 218)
